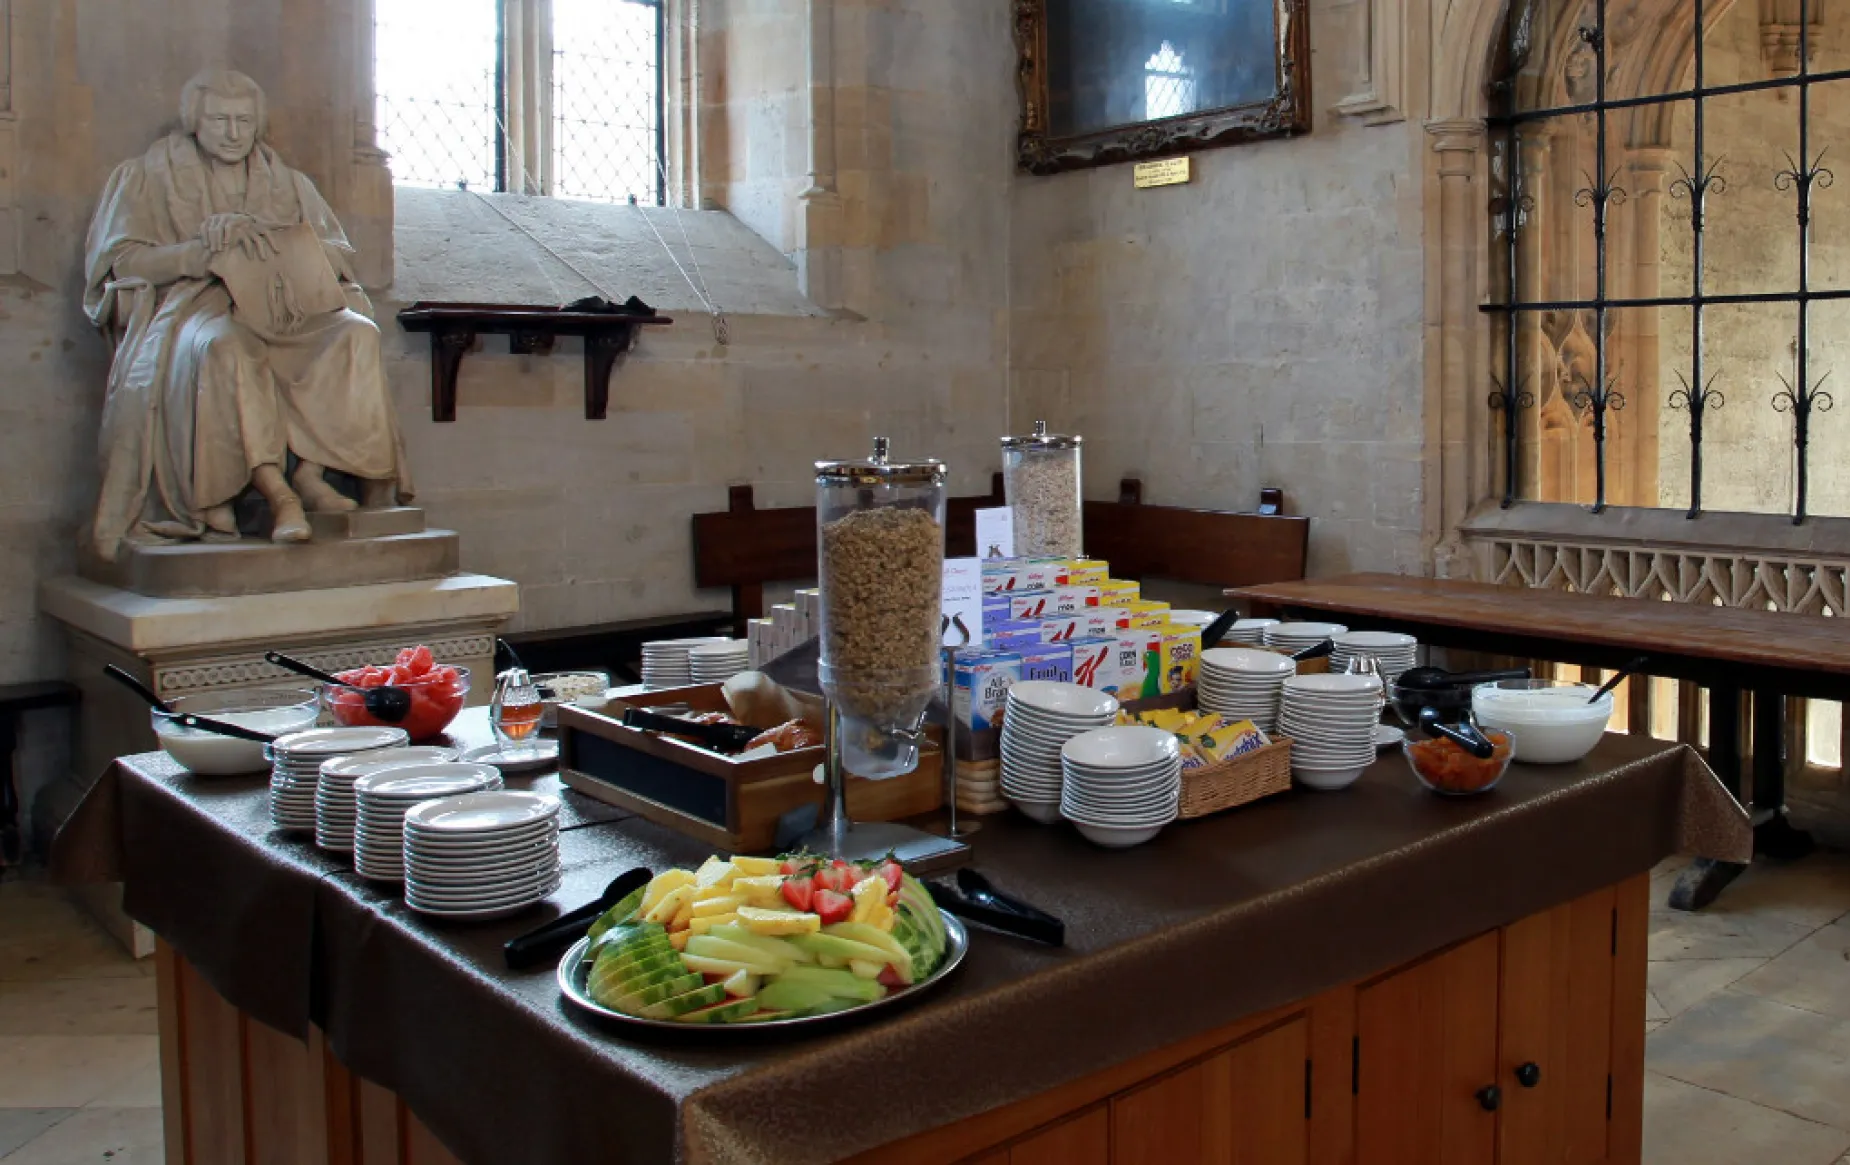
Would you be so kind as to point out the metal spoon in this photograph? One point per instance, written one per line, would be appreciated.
(184, 719)
(388, 705)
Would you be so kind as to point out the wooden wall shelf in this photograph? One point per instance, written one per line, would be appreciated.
(531, 329)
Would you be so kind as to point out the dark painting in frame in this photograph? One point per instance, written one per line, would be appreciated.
(1105, 81)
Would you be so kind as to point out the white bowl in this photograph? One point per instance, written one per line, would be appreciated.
(1246, 661)
(1045, 812)
(1127, 746)
(1068, 700)
(1550, 720)
(1114, 837)
(1327, 780)
(278, 712)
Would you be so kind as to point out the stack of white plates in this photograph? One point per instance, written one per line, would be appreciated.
(1291, 637)
(481, 855)
(1331, 720)
(1248, 631)
(1243, 683)
(1392, 652)
(1122, 784)
(382, 799)
(1038, 720)
(334, 807)
(665, 662)
(295, 768)
(715, 663)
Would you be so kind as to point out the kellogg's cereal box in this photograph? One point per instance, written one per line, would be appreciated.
(1091, 659)
(982, 685)
(1048, 661)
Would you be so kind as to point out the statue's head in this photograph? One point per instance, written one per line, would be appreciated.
(225, 112)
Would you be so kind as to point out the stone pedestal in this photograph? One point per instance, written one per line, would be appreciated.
(195, 618)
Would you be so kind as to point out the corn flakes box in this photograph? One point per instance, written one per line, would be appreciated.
(1131, 660)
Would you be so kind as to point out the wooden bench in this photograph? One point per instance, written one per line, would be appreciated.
(745, 548)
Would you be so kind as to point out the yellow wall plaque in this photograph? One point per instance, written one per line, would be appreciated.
(1165, 172)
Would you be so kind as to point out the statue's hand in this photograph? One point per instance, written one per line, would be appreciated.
(221, 231)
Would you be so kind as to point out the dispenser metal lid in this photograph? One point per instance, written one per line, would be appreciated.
(1042, 439)
(881, 469)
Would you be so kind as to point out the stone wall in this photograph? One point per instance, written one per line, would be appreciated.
(1750, 242)
(1259, 326)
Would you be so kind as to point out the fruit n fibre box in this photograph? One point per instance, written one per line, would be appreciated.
(1048, 661)
(1090, 660)
(982, 686)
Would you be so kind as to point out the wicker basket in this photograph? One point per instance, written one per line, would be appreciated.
(1237, 780)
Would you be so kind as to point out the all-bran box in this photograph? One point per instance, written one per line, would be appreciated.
(1048, 661)
(982, 686)
(1091, 660)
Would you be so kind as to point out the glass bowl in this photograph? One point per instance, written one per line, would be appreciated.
(1407, 702)
(1446, 768)
(584, 687)
(277, 711)
(436, 698)
(1553, 722)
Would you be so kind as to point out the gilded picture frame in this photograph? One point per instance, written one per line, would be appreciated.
(1077, 112)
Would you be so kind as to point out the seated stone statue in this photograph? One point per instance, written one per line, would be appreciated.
(241, 337)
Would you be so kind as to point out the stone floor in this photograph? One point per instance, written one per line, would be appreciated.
(1749, 1051)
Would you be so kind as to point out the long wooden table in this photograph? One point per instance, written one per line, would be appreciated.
(1728, 650)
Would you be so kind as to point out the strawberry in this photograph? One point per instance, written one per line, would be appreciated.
(833, 907)
(799, 892)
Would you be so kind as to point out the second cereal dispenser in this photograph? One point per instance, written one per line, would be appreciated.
(1041, 476)
(880, 546)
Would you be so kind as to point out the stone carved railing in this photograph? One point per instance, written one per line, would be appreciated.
(1739, 578)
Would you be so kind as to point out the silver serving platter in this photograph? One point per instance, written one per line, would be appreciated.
(572, 972)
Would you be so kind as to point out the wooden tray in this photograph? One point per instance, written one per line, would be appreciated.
(730, 804)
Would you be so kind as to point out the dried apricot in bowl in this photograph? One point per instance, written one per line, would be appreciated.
(1446, 767)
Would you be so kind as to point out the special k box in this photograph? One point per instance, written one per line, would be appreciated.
(1091, 658)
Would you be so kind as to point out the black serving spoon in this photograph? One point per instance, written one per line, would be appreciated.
(1619, 676)
(184, 719)
(545, 944)
(388, 705)
(1315, 651)
(1464, 735)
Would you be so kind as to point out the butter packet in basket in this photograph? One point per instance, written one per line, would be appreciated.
(1230, 740)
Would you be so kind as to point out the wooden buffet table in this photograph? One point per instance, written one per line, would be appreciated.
(1377, 975)
(1725, 649)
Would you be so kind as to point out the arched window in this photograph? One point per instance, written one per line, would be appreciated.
(1168, 85)
(554, 97)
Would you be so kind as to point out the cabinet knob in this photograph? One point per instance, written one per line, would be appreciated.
(1490, 1097)
(1529, 1075)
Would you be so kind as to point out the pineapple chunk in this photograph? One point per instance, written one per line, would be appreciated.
(759, 890)
(683, 916)
(864, 969)
(704, 893)
(661, 885)
(670, 905)
(742, 984)
(761, 921)
(869, 899)
(715, 872)
(707, 922)
(722, 905)
(755, 867)
(678, 940)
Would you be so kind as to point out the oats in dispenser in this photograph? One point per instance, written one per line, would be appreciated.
(880, 540)
(1041, 480)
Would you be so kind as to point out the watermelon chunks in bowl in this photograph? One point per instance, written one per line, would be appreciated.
(437, 693)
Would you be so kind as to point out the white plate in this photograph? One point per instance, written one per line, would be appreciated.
(445, 863)
(358, 765)
(458, 890)
(492, 849)
(1125, 746)
(514, 758)
(1387, 736)
(1377, 640)
(1059, 699)
(481, 812)
(470, 877)
(326, 742)
(479, 910)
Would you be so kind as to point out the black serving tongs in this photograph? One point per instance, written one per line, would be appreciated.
(723, 737)
(975, 899)
(545, 944)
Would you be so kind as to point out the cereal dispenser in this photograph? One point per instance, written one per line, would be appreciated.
(880, 550)
(1041, 476)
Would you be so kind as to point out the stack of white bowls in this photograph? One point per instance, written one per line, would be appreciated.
(295, 768)
(1243, 683)
(481, 855)
(1292, 637)
(1037, 721)
(1122, 784)
(665, 662)
(335, 813)
(1250, 632)
(715, 663)
(382, 799)
(1331, 720)
(1392, 652)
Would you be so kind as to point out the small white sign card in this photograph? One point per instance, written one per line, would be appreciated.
(963, 601)
(995, 533)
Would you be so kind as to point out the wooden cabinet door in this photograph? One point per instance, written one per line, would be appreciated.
(1243, 1105)
(1083, 1139)
(1572, 1013)
(1426, 1045)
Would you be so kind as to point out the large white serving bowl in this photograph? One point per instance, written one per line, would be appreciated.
(278, 712)
(1126, 746)
(1070, 700)
(1550, 720)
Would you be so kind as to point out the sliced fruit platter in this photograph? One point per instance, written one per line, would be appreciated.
(764, 941)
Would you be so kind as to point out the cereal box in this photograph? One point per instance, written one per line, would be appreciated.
(982, 685)
(1181, 655)
(1117, 592)
(1091, 661)
(1048, 661)
(1087, 572)
(1133, 653)
(1001, 575)
(1063, 628)
(1036, 604)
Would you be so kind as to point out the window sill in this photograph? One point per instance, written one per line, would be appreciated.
(1625, 526)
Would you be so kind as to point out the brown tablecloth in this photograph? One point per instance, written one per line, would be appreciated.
(1214, 920)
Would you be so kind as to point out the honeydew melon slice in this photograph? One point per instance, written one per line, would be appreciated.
(731, 1011)
(840, 983)
(635, 1001)
(693, 1000)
